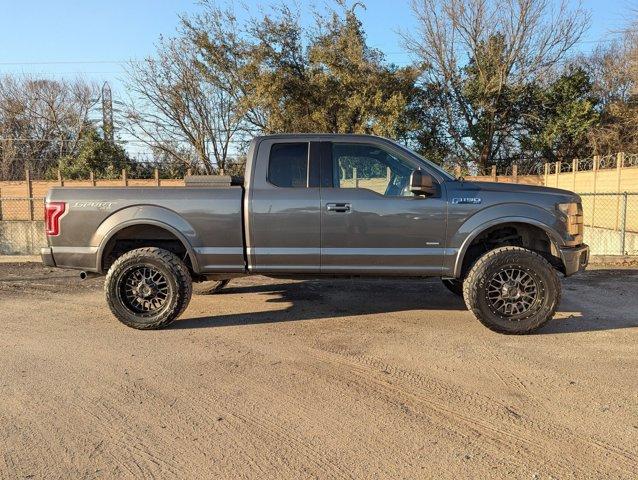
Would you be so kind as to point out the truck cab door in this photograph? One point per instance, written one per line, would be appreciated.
(371, 223)
(283, 209)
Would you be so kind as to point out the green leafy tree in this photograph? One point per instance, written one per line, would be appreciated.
(292, 79)
(94, 154)
(562, 115)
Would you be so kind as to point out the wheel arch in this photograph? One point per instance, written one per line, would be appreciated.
(151, 216)
(552, 235)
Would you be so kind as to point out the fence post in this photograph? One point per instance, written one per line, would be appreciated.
(546, 174)
(620, 159)
(557, 172)
(593, 200)
(388, 174)
(494, 173)
(92, 178)
(124, 177)
(355, 179)
(574, 170)
(29, 193)
(157, 179)
(623, 223)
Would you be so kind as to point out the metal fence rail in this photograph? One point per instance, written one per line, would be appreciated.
(610, 223)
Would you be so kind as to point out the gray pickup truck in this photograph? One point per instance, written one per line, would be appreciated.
(323, 205)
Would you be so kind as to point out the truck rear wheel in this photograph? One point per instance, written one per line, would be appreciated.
(512, 290)
(148, 288)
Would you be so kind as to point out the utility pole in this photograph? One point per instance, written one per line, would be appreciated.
(107, 113)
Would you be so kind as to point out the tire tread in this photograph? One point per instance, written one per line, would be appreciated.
(471, 287)
(182, 278)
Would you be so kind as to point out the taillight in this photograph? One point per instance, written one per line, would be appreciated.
(52, 213)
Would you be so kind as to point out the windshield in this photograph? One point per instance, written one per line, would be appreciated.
(433, 165)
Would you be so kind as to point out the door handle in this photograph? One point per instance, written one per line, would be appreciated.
(338, 207)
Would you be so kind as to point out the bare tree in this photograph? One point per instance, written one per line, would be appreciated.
(614, 71)
(40, 121)
(480, 55)
(174, 105)
(630, 36)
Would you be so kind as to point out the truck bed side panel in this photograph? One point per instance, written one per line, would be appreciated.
(208, 220)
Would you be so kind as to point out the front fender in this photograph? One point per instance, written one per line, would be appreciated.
(473, 226)
(145, 215)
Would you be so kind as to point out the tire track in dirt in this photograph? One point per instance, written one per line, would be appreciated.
(511, 380)
(518, 425)
(241, 428)
(443, 417)
(109, 411)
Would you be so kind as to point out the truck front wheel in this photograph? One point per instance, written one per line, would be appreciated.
(512, 290)
(148, 288)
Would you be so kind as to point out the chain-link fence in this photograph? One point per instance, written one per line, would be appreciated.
(21, 225)
(610, 224)
(21, 208)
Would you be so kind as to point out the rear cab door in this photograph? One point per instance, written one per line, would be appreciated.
(283, 204)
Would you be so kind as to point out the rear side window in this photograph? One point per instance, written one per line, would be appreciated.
(288, 165)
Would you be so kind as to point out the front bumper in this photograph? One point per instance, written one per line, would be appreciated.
(574, 259)
(47, 257)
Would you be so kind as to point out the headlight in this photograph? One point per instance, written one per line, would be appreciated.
(568, 208)
(573, 217)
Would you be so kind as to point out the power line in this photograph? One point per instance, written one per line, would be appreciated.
(69, 62)
(39, 72)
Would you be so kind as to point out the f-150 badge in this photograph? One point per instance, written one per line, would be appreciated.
(466, 200)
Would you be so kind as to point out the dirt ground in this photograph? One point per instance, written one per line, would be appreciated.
(315, 379)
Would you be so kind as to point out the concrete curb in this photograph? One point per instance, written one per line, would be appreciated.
(613, 260)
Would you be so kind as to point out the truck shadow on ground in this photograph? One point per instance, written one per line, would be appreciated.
(325, 299)
(602, 299)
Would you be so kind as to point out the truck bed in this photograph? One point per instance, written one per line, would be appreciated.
(209, 219)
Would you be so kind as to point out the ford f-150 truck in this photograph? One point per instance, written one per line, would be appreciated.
(323, 205)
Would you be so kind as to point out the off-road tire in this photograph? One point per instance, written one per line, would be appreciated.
(211, 288)
(454, 285)
(475, 290)
(178, 280)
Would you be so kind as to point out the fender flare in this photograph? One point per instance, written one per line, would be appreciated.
(553, 235)
(145, 215)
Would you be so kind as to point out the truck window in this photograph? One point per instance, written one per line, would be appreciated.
(358, 165)
(288, 165)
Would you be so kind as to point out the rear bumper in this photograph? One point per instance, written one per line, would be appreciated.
(47, 257)
(575, 259)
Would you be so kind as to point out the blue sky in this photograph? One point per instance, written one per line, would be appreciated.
(90, 38)
(116, 30)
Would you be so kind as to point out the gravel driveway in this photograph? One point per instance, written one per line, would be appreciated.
(315, 379)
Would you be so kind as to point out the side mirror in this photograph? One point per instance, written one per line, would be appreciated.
(421, 183)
